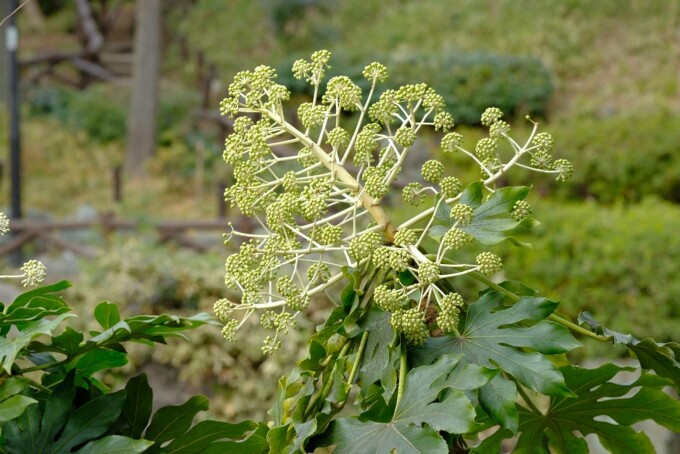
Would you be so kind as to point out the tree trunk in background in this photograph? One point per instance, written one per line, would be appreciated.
(141, 133)
(4, 60)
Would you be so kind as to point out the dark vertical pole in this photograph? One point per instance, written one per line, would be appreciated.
(14, 138)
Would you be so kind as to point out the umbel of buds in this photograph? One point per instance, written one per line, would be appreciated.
(33, 272)
(320, 218)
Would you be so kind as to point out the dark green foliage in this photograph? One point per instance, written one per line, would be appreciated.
(101, 111)
(469, 83)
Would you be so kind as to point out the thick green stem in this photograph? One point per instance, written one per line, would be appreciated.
(323, 392)
(403, 370)
(357, 360)
(553, 317)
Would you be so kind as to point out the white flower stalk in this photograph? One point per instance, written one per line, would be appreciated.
(318, 216)
(4, 224)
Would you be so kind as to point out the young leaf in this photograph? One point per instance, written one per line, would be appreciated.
(491, 337)
(568, 419)
(115, 444)
(14, 406)
(418, 417)
(9, 349)
(96, 360)
(107, 314)
(173, 421)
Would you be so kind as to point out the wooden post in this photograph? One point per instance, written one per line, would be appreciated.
(141, 140)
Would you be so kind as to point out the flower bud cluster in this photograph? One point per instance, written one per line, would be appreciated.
(413, 194)
(521, 210)
(432, 171)
(363, 246)
(405, 237)
(450, 186)
(449, 312)
(428, 273)
(462, 213)
(455, 238)
(4, 224)
(411, 323)
(34, 273)
(489, 264)
(389, 258)
(390, 300)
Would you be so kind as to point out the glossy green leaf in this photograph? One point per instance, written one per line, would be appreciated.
(205, 433)
(380, 353)
(115, 444)
(173, 421)
(597, 399)
(492, 337)
(26, 297)
(137, 407)
(11, 386)
(96, 360)
(89, 421)
(14, 406)
(498, 398)
(57, 409)
(68, 342)
(21, 434)
(417, 418)
(106, 314)
(10, 348)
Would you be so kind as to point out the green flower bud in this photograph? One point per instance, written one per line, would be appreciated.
(346, 92)
(270, 345)
(389, 300)
(521, 210)
(363, 246)
(544, 142)
(428, 273)
(223, 309)
(413, 194)
(541, 160)
(405, 237)
(455, 238)
(450, 187)
(489, 264)
(450, 141)
(486, 148)
(318, 272)
(405, 136)
(375, 71)
(432, 170)
(565, 168)
(229, 330)
(443, 121)
(412, 324)
(491, 116)
(463, 214)
(338, 138)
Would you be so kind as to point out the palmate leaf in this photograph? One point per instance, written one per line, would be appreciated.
(568, 419)
(662, 358)
(381, 353)
(492, 219)
(492, 337)
(418, 417)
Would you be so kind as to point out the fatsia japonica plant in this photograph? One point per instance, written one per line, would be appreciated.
(425, 371)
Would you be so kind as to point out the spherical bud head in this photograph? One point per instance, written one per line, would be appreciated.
(428, 273)
(321, 57)
(383, 110)
(298, 302)
(363, 246)
(450, 187)
(521, 210)
(433, 101)
(413, 194)
(414, 327)
(491, 116)
(450, 141)
(389, 300)
(399, 260)
(318, 272)
(405, 237)
(544, 142)
(270, 345)
(290, 183)
(432, 170)
(490, 165)
(223, 308)
(448, 321)
(541, 160)
(565, 168)
(281, 322)
(489, 264)
(34, 273)
(411, 92)
(300, 68)
(306, 158)
(375, 186)
(229, 330)
(329, 234)
(455, 238)
(338, 138)
(451, 302)
(375, 72)
(443, 121)
(346, 92)
(4, 224)
(311, 115)
(366, 144)
(405, 136)
(381, 257)
(463, 214)
(499, 129)
(486, 148)
(229, 107)
(285, 286)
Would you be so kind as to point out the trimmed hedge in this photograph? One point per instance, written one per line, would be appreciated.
(619, 263)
